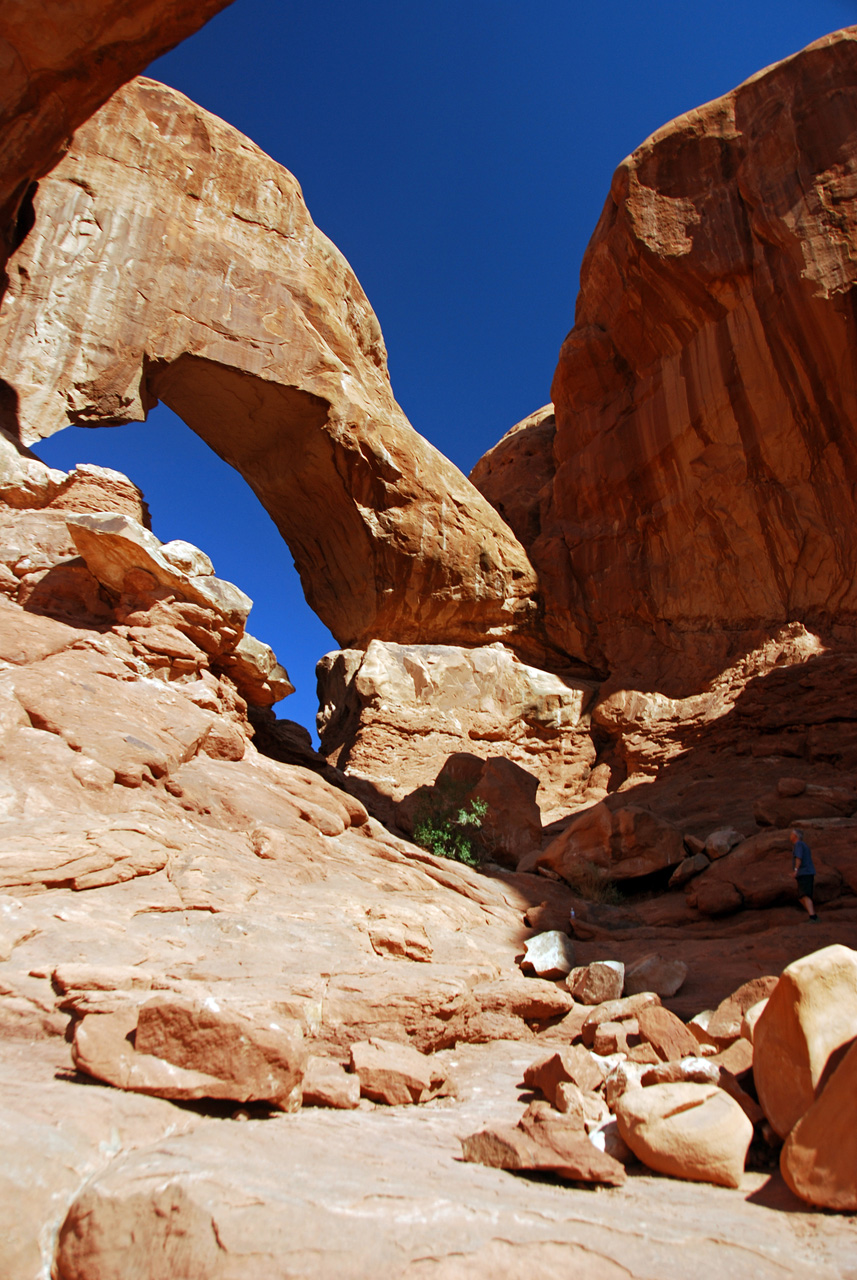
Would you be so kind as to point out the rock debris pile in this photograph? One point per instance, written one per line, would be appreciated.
(775, 1060)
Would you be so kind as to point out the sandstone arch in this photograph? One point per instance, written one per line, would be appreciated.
(170, 258)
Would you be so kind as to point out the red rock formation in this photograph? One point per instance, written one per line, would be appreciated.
(193, 273)
(61, 61)
(706, 399)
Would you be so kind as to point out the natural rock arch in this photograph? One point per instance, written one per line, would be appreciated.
(171, 259)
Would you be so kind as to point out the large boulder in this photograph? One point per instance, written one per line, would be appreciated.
(621, 843)
(819, 1159)
(809, 1020)
(693, 1131)
(281, 368)
(393, 715)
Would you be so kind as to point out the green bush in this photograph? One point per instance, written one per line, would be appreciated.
(449, 829)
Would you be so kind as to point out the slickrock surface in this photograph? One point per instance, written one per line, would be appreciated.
(706, 399)
(60, 63)
(242, 316)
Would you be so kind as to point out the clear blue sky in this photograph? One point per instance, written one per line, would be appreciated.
(459, 153)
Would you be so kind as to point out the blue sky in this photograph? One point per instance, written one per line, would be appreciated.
(459, 154)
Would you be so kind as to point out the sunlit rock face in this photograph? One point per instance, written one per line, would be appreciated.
(171, 259)
(61, 61)
(706, 400)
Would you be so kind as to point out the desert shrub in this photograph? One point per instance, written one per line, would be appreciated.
(589, 882)
(446, 827)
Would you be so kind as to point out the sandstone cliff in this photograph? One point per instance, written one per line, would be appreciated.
(192, 273)
(698, 491)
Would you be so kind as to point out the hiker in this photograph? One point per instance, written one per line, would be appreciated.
(804, 871)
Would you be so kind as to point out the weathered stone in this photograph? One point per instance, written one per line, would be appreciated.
(549, 955)
(599, 981)
(617, 1011)
(750, 1018)
(809, 1020)
(116, 547)
(655, 973)
(622, 843)
(692, 1131)
(263, 1059)
(327, 1084)
(575, 1065)
(395, 1074)
(559, 1148)
(666, 1033)
(675, 411)
(283, 360)
(725, 1022)
(395, 714)
(722, 841)
(819, 1159)
(688, 868)
(61, 69)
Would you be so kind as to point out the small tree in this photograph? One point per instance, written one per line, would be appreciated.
(448, 828)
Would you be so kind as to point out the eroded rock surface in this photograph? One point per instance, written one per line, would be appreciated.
(706, 398)
(60, 67)
(276, 360)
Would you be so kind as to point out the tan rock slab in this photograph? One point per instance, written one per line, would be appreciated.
(725, 1021)
(811, 1015)
(565, 1151)
(263, 1057)
(549, 955)
(655, 973)
(692, 1131)
(617, 1011)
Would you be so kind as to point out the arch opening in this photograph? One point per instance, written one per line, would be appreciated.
(196, 496)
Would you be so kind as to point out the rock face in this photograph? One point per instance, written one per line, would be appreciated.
(278, 363)
(392, 715)
(706, 398)
(62, 66)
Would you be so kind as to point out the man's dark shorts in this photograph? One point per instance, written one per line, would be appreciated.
(805, 886)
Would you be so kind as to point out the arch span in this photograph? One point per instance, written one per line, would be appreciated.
(171, 259)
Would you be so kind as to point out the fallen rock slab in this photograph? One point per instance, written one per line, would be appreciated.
(395, 1074)
(666, 1033)
(810, 1015)
(692, 1131)
(574, 1064)
(655, 973)
(326, 1083)
(560, 1148)
(726, 1020)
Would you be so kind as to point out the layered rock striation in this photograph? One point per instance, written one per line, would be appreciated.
(192, 273)
(697, 492)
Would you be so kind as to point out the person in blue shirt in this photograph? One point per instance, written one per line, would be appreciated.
(804, 871)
